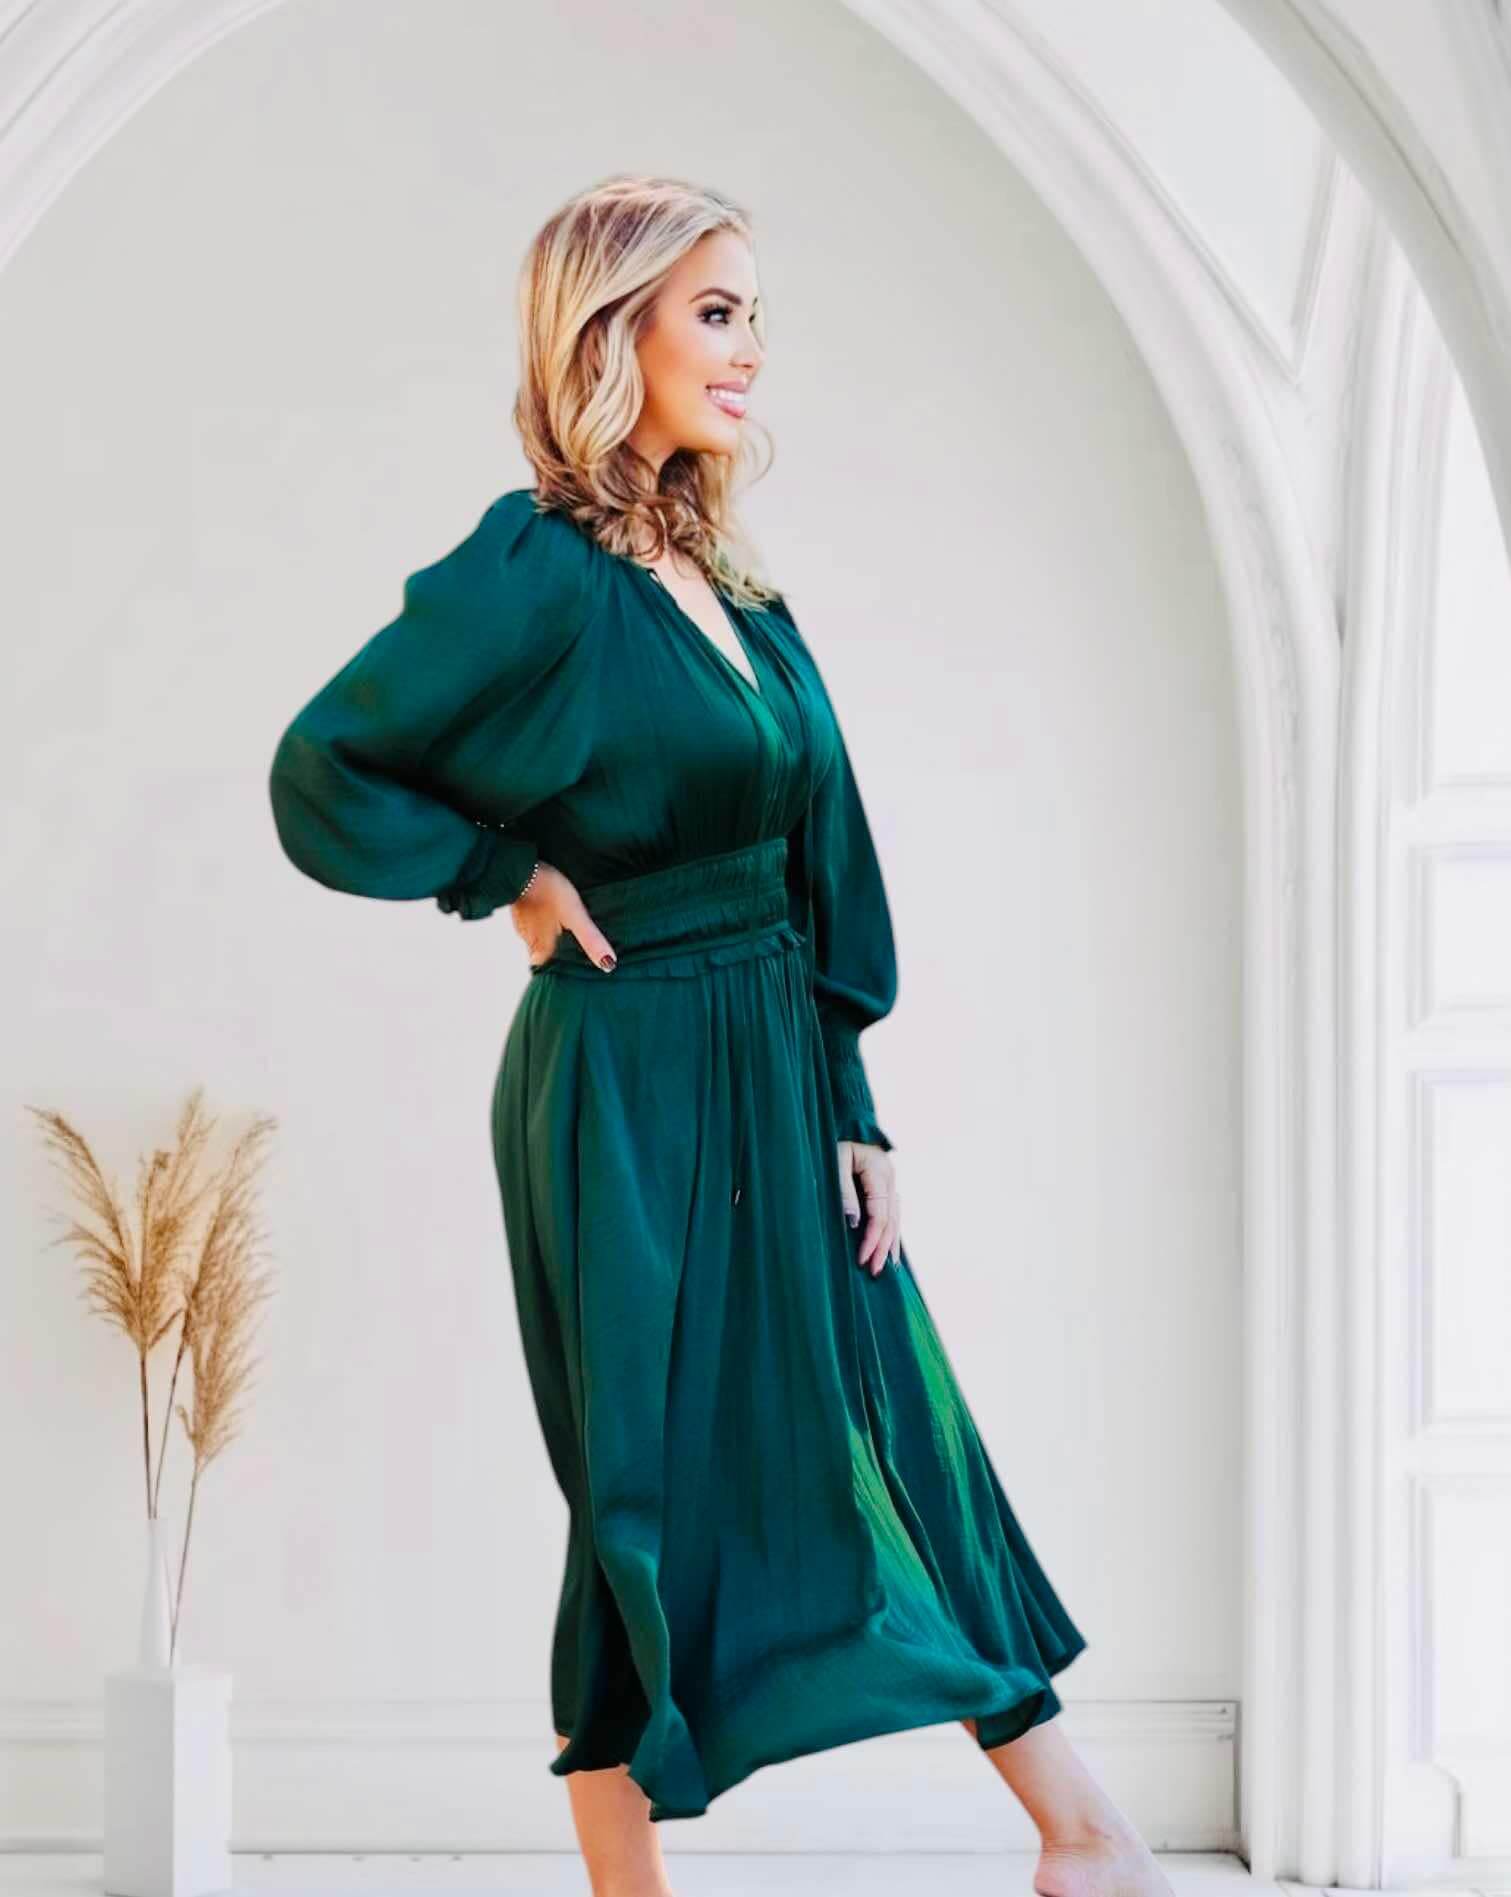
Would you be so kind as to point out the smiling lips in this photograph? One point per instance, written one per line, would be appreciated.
(729, 397)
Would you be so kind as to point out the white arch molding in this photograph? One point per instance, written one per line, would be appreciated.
(1400, 399)
(1460, 263)
(73, 71)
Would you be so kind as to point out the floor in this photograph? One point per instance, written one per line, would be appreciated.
(697, 1874)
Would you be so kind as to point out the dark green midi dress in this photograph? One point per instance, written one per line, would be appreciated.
(785, 1532)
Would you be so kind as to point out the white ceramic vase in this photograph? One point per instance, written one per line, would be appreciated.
(167, 1758)
(157, 1613)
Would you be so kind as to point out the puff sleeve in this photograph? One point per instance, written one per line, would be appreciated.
(853, 948)
(367, 791)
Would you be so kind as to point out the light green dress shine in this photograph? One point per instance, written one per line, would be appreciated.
(785, 1533)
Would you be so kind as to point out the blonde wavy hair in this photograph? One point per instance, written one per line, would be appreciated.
(586, 289)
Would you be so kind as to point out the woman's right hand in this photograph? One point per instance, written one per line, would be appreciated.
(552, 904)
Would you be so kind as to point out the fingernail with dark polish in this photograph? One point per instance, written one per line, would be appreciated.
(607, 961)
(852, 1219)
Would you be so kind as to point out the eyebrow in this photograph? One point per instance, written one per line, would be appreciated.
(714, 290)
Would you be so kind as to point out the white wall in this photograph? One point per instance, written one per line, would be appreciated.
(256, 367)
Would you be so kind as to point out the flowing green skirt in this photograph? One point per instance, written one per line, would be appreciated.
(785, 1532)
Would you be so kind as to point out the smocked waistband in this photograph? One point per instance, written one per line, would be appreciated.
(687, 917)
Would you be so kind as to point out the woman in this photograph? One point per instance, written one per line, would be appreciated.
(785, 1533)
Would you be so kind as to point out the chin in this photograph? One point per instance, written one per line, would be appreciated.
(709, 433)
(725, 441)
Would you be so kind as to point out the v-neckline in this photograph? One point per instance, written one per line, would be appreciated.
(753, 689)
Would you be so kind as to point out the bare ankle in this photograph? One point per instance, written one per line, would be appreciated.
(1096, 1831)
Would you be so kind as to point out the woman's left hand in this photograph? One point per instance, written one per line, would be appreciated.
(867, 1172)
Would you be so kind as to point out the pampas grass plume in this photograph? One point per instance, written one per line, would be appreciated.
(190, 1258)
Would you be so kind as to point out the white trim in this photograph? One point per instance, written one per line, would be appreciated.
(1371, 527)
(473, 1775)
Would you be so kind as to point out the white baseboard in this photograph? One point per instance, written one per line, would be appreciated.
(458, 1775)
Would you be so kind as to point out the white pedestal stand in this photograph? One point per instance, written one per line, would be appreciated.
(167, 1781)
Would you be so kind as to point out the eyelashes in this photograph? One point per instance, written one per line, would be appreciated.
(727, 310)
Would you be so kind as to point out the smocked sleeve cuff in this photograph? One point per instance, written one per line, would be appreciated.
(849, 1089)
(493, 876)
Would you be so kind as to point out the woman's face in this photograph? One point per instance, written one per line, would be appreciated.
(700, 352)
